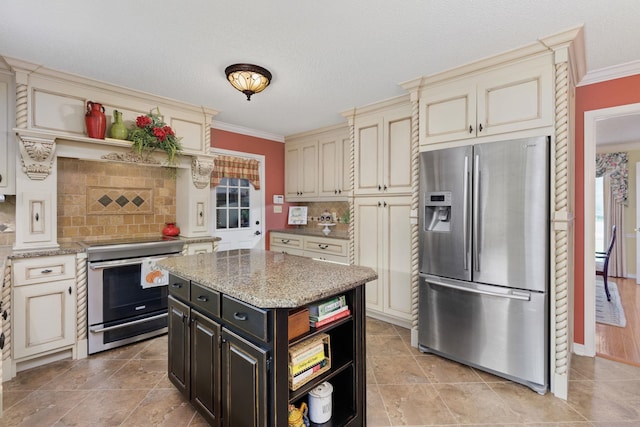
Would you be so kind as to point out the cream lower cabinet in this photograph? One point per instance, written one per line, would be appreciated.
(44, 305)
(323, 248)
(515, 97)
(383, 242)
(200, 248)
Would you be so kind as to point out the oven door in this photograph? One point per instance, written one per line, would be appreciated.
(120, 310)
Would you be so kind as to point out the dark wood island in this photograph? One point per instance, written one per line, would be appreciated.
(229, 335)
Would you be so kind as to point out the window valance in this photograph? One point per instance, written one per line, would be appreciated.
(616, 166)
(235, 167)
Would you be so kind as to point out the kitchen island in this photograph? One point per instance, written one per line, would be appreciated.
(229, 335)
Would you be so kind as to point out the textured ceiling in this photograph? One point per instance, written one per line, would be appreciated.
(326, 57)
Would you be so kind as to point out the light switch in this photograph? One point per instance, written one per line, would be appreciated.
(277, 208)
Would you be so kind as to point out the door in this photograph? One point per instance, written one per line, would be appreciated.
(445, 200)
(491, 327)
(244, 382)
(510, 219)
(368, 236)
(205, 366)
(238, 210)
(179, 342)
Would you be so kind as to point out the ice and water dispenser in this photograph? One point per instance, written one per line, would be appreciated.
(437, 211)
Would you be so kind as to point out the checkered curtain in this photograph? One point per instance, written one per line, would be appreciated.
(235, 167)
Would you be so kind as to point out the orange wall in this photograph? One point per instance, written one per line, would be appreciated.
(274, 169)
(592, 97)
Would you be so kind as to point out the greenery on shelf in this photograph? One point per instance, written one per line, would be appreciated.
(151, 133)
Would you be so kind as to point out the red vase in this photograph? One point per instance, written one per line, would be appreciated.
(171, 230)
(95, 120)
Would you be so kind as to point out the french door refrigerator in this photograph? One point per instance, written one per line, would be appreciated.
(484, 258)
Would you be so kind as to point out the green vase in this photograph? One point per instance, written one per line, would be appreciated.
(118, 129)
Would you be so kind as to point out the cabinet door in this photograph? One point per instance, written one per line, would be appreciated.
(244, 382)
(7, 137)
(44, 317)
(301, 170)
(368, 156)
(368, 240)
(396, 262)
(397, 152)
(40, 220)
(448, 112)
(205, 367)
(516, 97)
(179, 343)
(331, 167)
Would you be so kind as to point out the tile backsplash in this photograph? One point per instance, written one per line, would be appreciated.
(106, 200)
(338, 209)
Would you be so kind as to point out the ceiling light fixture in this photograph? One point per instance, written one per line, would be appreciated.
(248, 78)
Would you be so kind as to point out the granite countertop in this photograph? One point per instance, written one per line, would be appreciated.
(317, 232)
(269, 279)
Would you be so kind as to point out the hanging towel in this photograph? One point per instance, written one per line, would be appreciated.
(152, 275)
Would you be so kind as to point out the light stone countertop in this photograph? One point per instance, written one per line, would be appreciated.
(268, 279)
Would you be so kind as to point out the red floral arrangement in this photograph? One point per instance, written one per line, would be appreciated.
(151, 133)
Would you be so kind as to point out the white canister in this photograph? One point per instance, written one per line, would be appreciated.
(320, 403)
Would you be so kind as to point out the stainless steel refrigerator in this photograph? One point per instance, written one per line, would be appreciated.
(484, 257)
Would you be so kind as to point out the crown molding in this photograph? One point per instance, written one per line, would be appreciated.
(610, 73)
(215, 124)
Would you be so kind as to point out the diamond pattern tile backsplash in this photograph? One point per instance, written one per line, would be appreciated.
(103, 200)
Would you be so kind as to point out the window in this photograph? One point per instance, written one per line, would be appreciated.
(599, 196)
(233, 205)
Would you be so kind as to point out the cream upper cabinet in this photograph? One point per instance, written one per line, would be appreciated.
(382, 238)
(334, 169)
(7, 137)
(318, 165)
(383, 150)
(301, 170)
(506, 99)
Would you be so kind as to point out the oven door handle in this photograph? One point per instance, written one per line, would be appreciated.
(123, 262)
(124, 325)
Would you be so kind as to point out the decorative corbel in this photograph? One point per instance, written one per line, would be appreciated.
(201, 168)
(37, 155)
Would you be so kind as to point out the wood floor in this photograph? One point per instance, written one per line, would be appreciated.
(622, 344)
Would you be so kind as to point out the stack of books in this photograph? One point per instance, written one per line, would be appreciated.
(308, 359)
(328, 311)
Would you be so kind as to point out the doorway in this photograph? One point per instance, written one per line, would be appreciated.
(237, 212)
(593, 120)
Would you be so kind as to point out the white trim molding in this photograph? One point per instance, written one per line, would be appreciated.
(611, 73)
(246, 131)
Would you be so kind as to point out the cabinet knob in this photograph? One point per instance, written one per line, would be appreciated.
(70, 290)
(379, 187)
(46, 271)
(202, 298)
(0, 177)
(480, 127)
(470, 129)
(1, 341)
(384, 187)
(37, 217)
(5, 315)
(176, 285)
(323, 246)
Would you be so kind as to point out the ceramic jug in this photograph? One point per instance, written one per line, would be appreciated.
(95, 120)
(118, 130)
(297, 416)
(171, 230)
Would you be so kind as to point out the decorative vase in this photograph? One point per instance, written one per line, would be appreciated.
(171, 230)
(118, 130)
(95, 120)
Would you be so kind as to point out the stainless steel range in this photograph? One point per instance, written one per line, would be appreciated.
(122, 308)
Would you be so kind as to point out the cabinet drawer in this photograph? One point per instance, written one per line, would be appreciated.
(43, 269)
(179, 287)
(326, 246)
(248, 318)
(288, 241)
(207, 300)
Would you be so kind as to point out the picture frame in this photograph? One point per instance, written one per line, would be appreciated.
(297, 215)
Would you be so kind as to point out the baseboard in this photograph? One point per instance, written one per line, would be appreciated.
(389, 319)
(581, 350)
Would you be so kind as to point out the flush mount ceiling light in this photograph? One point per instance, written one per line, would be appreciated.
(248, 78)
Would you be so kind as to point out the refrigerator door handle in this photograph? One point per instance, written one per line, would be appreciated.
(476, 213)
(465, 212)
(517, 295)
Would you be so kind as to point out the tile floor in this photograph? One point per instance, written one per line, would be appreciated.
(129, 387)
